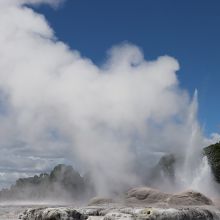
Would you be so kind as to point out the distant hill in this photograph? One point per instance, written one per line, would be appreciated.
(63, 183)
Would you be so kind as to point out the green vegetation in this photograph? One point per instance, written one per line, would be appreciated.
(213, 154)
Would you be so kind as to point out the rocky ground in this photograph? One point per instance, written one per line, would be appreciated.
(138, 204)
(121, 213)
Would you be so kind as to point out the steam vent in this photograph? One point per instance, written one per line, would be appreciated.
(141, 203)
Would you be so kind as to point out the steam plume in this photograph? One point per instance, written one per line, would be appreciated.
(57, 106)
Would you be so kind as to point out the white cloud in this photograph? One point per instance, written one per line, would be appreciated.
(10, 3)
(104, 119)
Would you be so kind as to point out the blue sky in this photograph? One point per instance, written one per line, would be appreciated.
(187, 30)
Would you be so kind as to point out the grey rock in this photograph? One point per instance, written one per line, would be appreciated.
(128, 213)
(190, 213)
(52, 214)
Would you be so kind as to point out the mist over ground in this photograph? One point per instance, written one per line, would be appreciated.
(114, 121)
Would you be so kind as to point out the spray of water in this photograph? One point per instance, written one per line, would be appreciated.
(195, 172)
(203, 180)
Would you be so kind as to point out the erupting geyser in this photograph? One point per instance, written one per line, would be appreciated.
(122, 124)
(114, 121)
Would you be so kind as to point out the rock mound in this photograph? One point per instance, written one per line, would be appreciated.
(189, 198)
(145, 195)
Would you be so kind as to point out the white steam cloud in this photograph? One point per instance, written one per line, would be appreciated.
(56, 106)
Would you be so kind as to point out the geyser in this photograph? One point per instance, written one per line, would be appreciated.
(114, 121)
